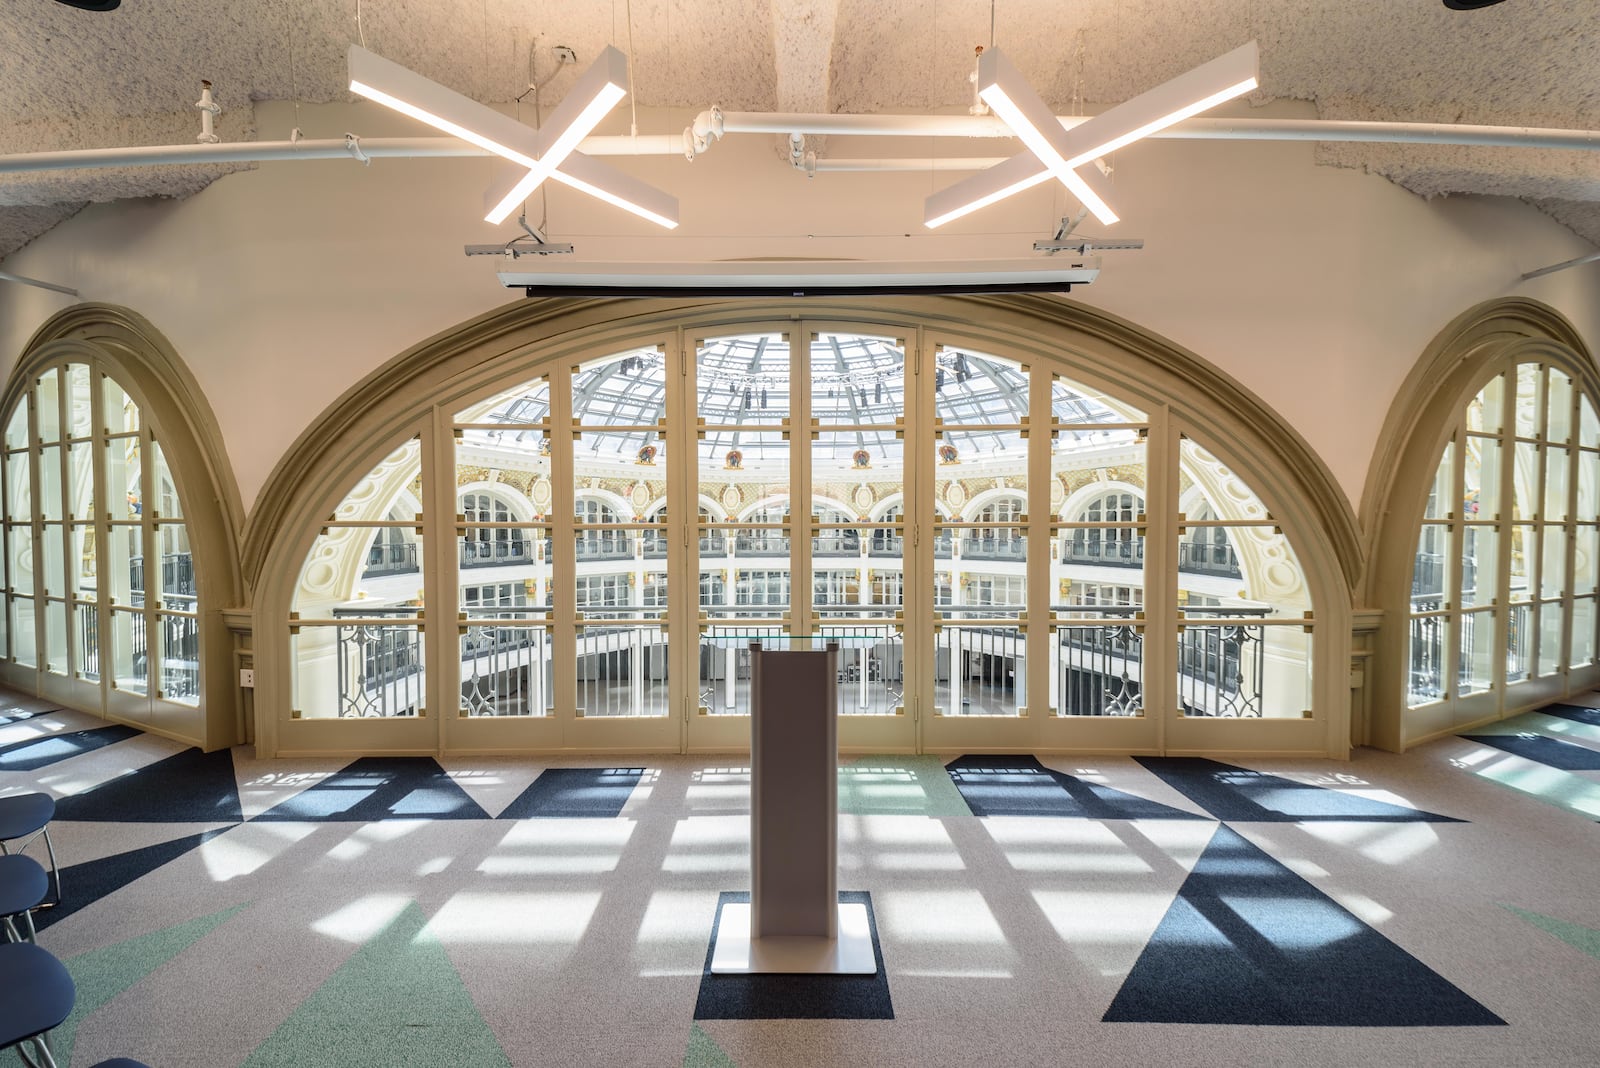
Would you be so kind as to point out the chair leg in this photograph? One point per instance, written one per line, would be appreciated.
(55, 870)
(12, 935)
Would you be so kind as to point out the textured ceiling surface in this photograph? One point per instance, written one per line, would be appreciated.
(72, 79)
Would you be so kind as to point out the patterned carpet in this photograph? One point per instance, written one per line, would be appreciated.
(1431, 908)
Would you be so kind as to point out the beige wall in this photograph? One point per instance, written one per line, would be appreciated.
(281, 287)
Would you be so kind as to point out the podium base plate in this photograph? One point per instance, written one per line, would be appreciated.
(736, 953)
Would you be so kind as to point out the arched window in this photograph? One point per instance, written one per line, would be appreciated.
(1503, 582)
(110, 581)
(662, 468)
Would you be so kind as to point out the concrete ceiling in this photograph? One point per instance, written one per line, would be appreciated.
(74, 79)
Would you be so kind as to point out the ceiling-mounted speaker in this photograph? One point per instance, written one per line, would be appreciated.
(93, 5)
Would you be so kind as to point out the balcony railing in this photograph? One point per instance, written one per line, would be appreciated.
(761, 544)
(992, 548)
(1105, 552)
(1200, 558)
(391, 558)
(496, 553)
(177, 573)
(837, 543)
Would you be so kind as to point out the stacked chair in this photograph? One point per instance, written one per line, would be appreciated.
(39, 992)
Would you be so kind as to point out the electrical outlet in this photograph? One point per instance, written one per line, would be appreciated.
(247, 678)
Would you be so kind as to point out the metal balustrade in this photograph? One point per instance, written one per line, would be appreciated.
(495, 553)
(993, 548)
(391, 558)
(1099, 669)
(177, 573)
(1103, 552)
(1201, 558)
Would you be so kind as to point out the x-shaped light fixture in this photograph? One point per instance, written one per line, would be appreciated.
(1056, 152)
(549, 152)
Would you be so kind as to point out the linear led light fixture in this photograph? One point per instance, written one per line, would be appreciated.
(796, 278)
(539, 154)
(1057, 152)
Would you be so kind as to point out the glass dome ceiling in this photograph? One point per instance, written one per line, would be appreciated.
(744, 389)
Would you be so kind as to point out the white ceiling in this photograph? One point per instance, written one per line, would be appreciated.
(73, 79)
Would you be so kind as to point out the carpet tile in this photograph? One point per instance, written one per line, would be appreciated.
(575, 793)
(84, 884)
(795, 997)
(1245, 796)
(38, 753)
(1247, 941)
(380, 788)
(1021, 786)
(187, 787)
(1548, 751)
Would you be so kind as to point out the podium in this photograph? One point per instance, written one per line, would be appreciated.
(794, 922)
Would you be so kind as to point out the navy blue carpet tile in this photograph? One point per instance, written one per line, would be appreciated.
(1246, 796)
(42, 752)
(1576, 713)
(18, 717)
(381, 788)
(187, 787)
(1247, 941)
(795, 997)
(84, 884)
(1550, 751)
(575, 793)
(1021, 786)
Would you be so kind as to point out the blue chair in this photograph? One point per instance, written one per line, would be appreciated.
(39, 997)
(23, 884)
(121, 1062)
(24, 817)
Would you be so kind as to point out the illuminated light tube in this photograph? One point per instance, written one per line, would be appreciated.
(1055, 151)
(538, 154)
(580, 111)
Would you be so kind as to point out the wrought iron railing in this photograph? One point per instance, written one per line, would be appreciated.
(993, 548)
(496, 553)
(177, 573)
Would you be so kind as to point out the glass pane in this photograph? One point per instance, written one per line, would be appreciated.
(602, 594)
(1479, 561)
(871, 673)
(1524, 547)
(126, 500)
(1553, 563)
(83, 563)
(180, 658)
(358, 671)
(992, 396)
(762, 592)
(1529, 380)
(1583, 633)
(19, 558)
(1426, 649)
(129, 651)
(853, 473)
(80, 414)
(1083, 548)
(1519, 642)
(1525, 474)
(80, 480)
(624, 389)
(1475, 671)
(1588, 424)
(1558, 423)
(1231, 671)
(57, 661)
(506, 670)
(50, 459)
(19, 488)
(17, 427)
(622, 670)
(1098, 670)
(166, 490)
(840, 591)
(24, 641)
(858, 381)
(175, 581)
(1588, 476)
(54, 552)
(1073, 402)
(1485, 411)
(1481, 499)
(742, 381)
(48, 406)
(87, 633)
(1441, 495)
(121, 413)
(1586, 557)
(1245, 570)
(361, 568)
(1556, 466)
(1549, 639)
(526, 404)
(506, 556)
(981, 670)
(124, 564)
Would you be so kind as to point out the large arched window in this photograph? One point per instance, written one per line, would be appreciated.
(976, 539)
(111, 585)
(1504, 580)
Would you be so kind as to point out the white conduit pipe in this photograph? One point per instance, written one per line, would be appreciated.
(753, 122)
